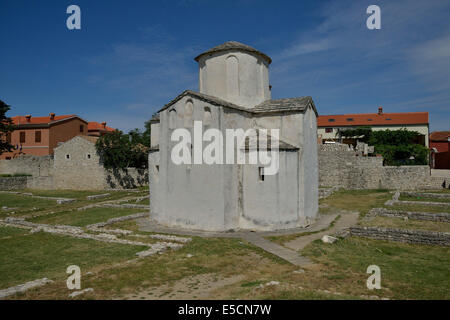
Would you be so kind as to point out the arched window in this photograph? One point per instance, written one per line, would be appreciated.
(232, 76)
(188, 111)
(172, 119)
(207, 116)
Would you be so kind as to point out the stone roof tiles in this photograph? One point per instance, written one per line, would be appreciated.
(286, 104)
(234, 45)
(269, 106)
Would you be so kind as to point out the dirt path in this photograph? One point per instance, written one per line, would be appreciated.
(194, 287)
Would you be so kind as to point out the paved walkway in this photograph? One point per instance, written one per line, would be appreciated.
(284, 253)
(345, 221)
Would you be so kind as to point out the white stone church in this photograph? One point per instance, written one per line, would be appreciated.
(234, 92)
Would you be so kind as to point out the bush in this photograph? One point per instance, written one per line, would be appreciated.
(121, 151)
(397, 146)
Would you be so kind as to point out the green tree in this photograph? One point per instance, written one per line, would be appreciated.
(396, 146)
(121, 151)
(6, 127)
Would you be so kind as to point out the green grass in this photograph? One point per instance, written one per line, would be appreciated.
(407, 271)
(84, 217)
(24, 202)
(26, 258)
(426, 199)
(354, 200)
(144, 201)
(81, 194)
(10, 231)
(399, 223)
(221, 256)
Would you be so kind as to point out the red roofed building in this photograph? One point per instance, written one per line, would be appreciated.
(329, 126)
(40, 135)
(440, 146)
(96, 129)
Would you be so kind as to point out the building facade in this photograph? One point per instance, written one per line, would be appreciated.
(40, 135)
(235, 94)
(440, 149)
(329, 126)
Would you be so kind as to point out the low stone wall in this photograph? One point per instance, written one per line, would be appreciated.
(34, 165)
(326, 192)
(402, 235)
(13, 183)
(383, 212)
(40, 183)
(126, 179)
(340, 166)
(405, 177)
(78, 171)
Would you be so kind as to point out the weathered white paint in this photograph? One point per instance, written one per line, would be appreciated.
(235, 76)
(224, 197)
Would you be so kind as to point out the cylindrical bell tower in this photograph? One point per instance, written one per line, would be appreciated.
(236, 73)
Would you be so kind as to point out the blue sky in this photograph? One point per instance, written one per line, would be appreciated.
(132, 57)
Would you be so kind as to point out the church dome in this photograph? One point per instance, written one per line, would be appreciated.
(234, 45)
(236, 73)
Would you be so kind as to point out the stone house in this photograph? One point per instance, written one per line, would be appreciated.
(77, 165)
(234, 93)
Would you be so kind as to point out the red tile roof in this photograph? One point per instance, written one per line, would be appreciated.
(41, 120)
(440, 136)
(373, 119)
(95, 126)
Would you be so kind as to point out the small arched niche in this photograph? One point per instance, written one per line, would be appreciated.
(232, 77)
(172, 119)
(207, 118)
(188, 112)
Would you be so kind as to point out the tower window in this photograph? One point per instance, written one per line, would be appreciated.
(67, 156)
(81, 128)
